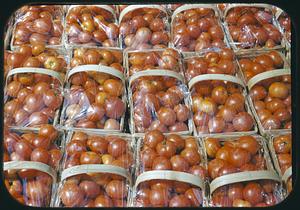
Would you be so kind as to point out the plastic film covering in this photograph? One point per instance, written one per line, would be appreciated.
(38, 24)
(95, 94)
(251, 27)
(171, 171)
(33, 96)
(31, 161)
(92, 25)
(196, 27)
(96, 171)
(219, 105)
(144, 27)
(270, 100)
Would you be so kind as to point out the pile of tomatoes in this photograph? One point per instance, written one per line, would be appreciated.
(213, 62)
(234, 155)
(96, 189)
(197, 29)
(92, 149)
(31, 186)
(91, 25)
(158, 103)
(175, 153)
(260, 63)
(261, 193)
(94, 99)
(163, 59)
(39, 25)
(144, 28)
(32, 99)
(219, 107)
(252, 27)
(272, 102)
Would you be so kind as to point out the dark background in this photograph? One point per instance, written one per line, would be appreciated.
(8, 7)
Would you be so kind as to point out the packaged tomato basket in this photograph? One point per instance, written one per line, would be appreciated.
(157, 93)
(170, 171)
(34, 86)
(38, 24)
(144, 27)
(241, 172)
(148, 105)
(96, 171)
(258, 62)
(31, 161)
(220, 106)
(251, 27)
(91, 25)
(270, 100)
(196, 27)
(95, 93)
(280, 145)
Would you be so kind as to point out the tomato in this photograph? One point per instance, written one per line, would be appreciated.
(179, 163)
(253, 193)
(166, 149)
(212, 146)
(159, 197)
(152, 138)
(195, 196)
(147, 156)
(117, 146)
(116, 189)
(161, 163)
(177, 140)
(191, 155)
(103, 201)
(53, 63)
(248, 143)
(90, 158)
(239, 157)
(72, 195)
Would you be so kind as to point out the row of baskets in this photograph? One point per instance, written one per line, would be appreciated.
(106, 170)
(189, 28)
(208, 93)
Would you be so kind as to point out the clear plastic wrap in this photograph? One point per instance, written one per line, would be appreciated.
(33, 96)
(197, 27)
(219, 105)
(95, 94)
(212, 61)
(251, 27)
(42, 24)
(36, 56)
(96, 172)
(91, 25)
(230, 155)
(259, 62)
(261, 192)
(31, 159)
(8, 31)
(171, 171)
(144, 27)
(284, 21)
(281, 150)
(171, 7)
(241, 172)
(158, 96)
(164, 59)
(270, 100)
